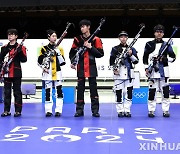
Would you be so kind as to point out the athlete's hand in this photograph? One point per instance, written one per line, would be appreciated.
(88, 45)
(72, 66)
(130, 53)
(116, 72)
(146, 71)
(164, 59)
(45, 70)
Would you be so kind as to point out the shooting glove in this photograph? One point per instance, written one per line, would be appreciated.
(164, 59)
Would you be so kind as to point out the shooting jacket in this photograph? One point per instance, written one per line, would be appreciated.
(86, 66)
(126, 71)
(54, 65)
(15, 67)
(153, 49)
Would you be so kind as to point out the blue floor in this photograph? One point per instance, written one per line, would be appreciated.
(33, 133)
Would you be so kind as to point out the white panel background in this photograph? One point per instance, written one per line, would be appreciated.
(32, 71)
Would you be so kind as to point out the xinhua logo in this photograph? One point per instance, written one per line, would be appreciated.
(159, 146)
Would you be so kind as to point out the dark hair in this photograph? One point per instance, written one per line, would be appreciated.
(50, 32)
(85, 22)
(12, 31)
(123, 33)
(159, 27)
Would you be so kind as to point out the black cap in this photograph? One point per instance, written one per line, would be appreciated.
(50, 32)
(12, 31)
(159, 27)
(123, 33)
(85, 22)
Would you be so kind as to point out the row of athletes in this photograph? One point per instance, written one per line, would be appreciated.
(86, 68)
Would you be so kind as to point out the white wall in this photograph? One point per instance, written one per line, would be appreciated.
(32, 70)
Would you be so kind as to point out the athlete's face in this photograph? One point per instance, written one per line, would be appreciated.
(85, 29)
(159, 34)
(12, 37)
(53, 38)
(123, 39)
